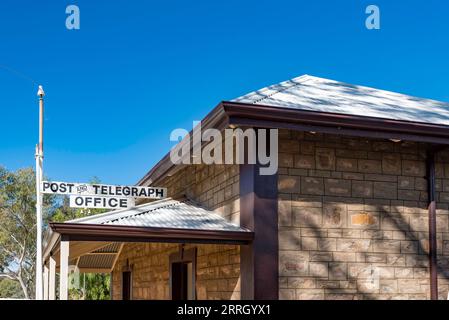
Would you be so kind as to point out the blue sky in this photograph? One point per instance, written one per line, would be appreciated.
(138, 69)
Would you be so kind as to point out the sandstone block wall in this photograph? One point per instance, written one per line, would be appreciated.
(218, 266)
(353, 219)
(218, 271)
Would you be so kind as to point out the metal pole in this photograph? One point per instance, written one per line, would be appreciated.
(39, 177)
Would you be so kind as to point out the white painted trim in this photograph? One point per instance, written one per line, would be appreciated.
(52, 279)
(46, 274)
(64, 270)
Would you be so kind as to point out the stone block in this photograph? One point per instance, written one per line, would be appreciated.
(285, 211)
(319, 269)
(327, 244)
(361, 271)
(285, 160)
(387, 246)
(412, 195)
(403, 273)
(419, 222)
(307, 147)
(312, 186)
(345, 164)
(287, 294)
(325, 158)
(301, 283)
(388, 286)
(304, 161)
(391, 163)
(328, 284)
(289, 240)
(368, 286)
(344, 257)
(338, 271)
(289, 184)
(310, 294)
(383, 146)
(334, 215)
(293, 263)
(290, 145)
(353, 245)
(337, 187)
(362, 189)
(409, 286)
(385, 190)
(369, 166)
(413, 168)
(308, 244)
(320, 256)
(396, 259)
(307, 217)
(407, 183)
(376, 258)
(409, 247)
(364, 219)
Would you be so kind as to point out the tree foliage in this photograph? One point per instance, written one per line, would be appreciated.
(10, 289)
(18, 227)
(18, 235)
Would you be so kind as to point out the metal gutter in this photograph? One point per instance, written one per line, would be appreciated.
(95, 232)
(333, 122)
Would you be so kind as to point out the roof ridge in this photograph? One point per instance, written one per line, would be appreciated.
(298, 80)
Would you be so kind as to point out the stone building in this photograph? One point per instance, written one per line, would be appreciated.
(358, 209)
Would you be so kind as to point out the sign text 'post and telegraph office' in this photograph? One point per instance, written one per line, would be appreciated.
(102, 196)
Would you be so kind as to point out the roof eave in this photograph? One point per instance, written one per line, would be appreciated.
(98, 232)
(245, 114)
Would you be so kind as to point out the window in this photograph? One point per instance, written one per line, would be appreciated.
(182, 275)
(126, 285)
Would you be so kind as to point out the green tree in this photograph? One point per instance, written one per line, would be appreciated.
(10, 289)
(18, 227)
(18, 234)
(92, 286)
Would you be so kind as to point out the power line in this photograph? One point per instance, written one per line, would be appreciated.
(19, 74)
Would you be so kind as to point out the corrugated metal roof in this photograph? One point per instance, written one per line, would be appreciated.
(167, 213)
(96, 261)
(324, 95)
(113, 247)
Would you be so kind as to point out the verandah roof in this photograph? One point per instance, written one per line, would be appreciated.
(167, 213)
(95, 241)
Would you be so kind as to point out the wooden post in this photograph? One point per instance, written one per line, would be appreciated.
(46, 273)
(52, 279)
(64, 270)
(259, 265)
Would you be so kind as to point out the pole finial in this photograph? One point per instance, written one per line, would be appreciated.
(40, 92)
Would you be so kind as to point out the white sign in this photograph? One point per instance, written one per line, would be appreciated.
(97, 202)
(103, 190)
